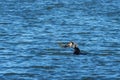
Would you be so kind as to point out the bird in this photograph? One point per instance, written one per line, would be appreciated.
(73, 45)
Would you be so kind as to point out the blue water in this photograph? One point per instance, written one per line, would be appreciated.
(30, 31)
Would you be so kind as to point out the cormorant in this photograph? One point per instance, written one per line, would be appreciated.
(74, 46)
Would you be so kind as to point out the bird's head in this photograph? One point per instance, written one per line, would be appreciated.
(71, 44)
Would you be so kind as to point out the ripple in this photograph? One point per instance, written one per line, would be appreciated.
(19, 74)
(44, 67)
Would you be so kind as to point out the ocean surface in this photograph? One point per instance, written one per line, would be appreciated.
(31, 30)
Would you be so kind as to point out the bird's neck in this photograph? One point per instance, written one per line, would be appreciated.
(76, 50)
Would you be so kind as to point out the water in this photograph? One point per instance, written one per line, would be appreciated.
(30, 31)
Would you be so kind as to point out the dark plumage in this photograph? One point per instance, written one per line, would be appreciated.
(74, 46)
(76, 51)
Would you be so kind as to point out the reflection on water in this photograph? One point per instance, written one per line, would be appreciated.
(31, 30)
